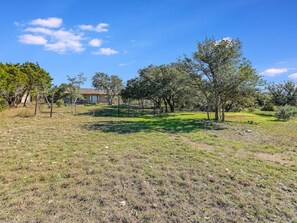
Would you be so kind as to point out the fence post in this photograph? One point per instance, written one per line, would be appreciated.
(118, 106)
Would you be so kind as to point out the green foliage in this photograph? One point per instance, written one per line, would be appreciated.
(268, 106)
(17, 79)
(226, 79)
(283, 93)
(166, 84)
(251, 109)
(3, 107)
(286, 112)
(111, 84)
(73, 87)
(60, 102)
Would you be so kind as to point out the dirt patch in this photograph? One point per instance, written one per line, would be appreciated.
(281, 158)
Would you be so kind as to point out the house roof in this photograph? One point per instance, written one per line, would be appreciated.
(91, 91)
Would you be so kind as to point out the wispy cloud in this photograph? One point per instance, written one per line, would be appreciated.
(293, 76)
(126, 64)
(272, 72)
(106, 51)
(95, 42)
(31, 39)
(40, 30)
(49, 22)
(53, 37)
(101, 27)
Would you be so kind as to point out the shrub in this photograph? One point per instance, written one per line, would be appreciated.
(60, 102)
(268, 106)
(285, 113)
(3, 106)
(251, 109)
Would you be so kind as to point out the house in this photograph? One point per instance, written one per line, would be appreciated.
(93, 95)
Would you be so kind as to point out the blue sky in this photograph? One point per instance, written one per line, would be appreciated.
(67, 37)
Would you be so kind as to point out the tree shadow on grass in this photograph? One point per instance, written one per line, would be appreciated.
(264, 115)
(154, 125)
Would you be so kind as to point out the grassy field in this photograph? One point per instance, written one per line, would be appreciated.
(171, 168)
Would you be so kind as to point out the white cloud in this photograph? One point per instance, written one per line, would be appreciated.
(33, 40)
(50, 34)
(59, 41)
(101, 27)
(49, 22)
(106, 51)
(41, 30)
(65, 41)
(95, 42)
(293, 76)
(227, 39)
(274, 71)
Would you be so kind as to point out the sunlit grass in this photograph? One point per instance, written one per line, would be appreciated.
(165, 168)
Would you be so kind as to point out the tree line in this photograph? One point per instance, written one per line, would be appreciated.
(215, 79)
(17, 80)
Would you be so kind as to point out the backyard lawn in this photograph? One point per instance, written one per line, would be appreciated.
(166, 168)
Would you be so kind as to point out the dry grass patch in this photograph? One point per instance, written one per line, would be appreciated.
(147, 169)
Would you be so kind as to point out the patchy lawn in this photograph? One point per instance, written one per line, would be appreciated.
(171, 168)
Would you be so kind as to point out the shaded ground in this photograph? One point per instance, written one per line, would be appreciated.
(176, 168)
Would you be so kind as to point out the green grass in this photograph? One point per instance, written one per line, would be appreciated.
(166, 168)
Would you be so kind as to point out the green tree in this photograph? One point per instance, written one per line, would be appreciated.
(223, 74)
(73, 88)
(38, 80)
(168, 83)
(12, 83)
(111, 84)
(283, 93)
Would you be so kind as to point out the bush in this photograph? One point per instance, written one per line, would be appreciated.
(60, 102)
(3, 106)
(251, 109)
(285, 113)
(268, 106)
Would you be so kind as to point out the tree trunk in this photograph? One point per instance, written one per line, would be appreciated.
(217, 111)
(72, 108)
(128, 107)
(110, 100)
(27, 95)
(118, 106)
(170, 102)
(36, 103)
(52, 102)
(223, 113)
(208, 112)
(166, 106)
(10, 103)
